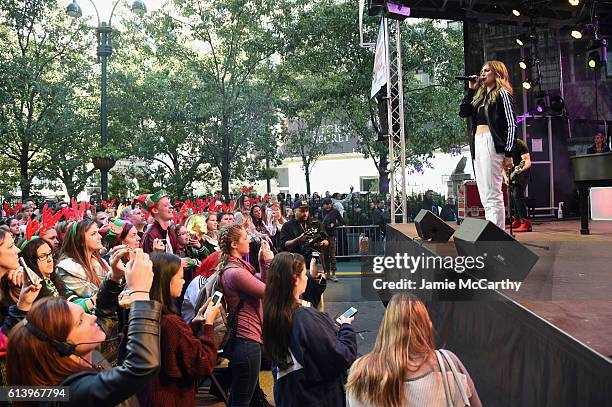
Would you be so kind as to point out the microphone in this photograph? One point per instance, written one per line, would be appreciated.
(471, 78)
(119, 337)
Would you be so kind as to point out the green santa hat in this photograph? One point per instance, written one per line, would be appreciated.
(152, 199)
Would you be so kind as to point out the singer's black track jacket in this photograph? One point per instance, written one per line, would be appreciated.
(501, 118)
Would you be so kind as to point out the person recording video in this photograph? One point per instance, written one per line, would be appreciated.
(303, 237)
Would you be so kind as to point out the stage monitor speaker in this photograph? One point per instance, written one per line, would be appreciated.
(430, 226)
(503, 256)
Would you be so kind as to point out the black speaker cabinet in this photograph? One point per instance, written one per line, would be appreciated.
(503, 256)
(430, 226)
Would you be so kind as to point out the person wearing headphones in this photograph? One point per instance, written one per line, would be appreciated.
(55, 345)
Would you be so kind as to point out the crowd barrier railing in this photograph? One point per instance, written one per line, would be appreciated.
(359, 241)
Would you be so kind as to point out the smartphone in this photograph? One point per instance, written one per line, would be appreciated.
(348, 314)
(29, 273)
(216, 297)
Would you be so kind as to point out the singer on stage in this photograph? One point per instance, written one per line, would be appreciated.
(490, 105)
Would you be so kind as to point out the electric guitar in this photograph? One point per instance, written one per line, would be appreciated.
(511, 174)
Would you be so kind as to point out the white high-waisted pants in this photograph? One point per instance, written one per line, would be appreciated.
(488, 166)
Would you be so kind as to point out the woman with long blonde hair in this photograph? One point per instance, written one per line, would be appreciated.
(490, 105)
(403, 368)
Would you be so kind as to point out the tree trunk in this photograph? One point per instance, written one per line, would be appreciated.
(225, 178)
(24, 181)
(307, 175)
(70, 187)
(268, 183)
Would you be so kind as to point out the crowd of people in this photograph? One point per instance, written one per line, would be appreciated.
(116, 305)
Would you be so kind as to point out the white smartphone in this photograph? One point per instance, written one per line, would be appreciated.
(348, 314)
(216, 297)
(31, 275)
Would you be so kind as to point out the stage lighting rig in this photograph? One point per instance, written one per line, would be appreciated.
(526, 63)
(542, 102)
(393, 9)
(525, 38)
(557, 105)
(597, 54)
(576, 32)
(574, 2)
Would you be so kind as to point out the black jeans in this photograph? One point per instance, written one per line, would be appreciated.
(518, 200)
(245, 363)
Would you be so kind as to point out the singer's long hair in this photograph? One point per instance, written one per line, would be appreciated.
(502, 81)
(404, 343)
(34, 362)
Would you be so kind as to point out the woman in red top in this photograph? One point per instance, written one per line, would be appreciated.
(188, 352)
(243, 291)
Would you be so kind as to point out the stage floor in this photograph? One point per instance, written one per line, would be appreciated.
(570, 286)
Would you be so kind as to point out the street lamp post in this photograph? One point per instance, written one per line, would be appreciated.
(105, 49)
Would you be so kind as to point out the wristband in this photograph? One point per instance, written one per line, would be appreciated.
(125, 297)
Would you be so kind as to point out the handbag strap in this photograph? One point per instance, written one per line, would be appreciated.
(451, 363)
(447, 395)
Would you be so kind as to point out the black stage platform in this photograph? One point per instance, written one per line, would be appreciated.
(549, 344)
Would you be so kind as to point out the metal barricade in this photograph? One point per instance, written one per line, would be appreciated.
(359, 241)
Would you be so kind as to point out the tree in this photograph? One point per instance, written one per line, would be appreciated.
(324, 44)
(40, 65)
(240, 76)
(69, 146)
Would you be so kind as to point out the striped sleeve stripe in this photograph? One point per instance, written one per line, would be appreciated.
(509, 118)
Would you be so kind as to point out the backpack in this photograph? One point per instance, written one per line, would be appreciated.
(226, 323)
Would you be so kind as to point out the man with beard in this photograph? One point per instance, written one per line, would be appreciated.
(303, 237)
(159, 237)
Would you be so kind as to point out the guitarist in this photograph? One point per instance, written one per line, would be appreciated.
(517, 179)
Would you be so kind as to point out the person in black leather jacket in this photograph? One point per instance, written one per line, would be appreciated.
(490, 105)
(51, 351)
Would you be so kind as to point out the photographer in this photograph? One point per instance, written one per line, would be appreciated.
(302, 237)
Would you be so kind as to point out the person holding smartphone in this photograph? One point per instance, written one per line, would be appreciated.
(310, 353)
(186, 357)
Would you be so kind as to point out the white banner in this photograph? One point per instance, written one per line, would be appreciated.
(380, 74)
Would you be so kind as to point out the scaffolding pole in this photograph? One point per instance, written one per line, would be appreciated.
(395, 120)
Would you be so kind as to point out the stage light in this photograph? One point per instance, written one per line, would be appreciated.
(527, 84)
(397, 9)
(557, 105)
(597, 54)
(576, 33)
(523, 39)
(574, 2)
(516, 12)
(525, 63)
(542, 102)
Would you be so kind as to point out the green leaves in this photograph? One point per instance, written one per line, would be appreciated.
(203, 91)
